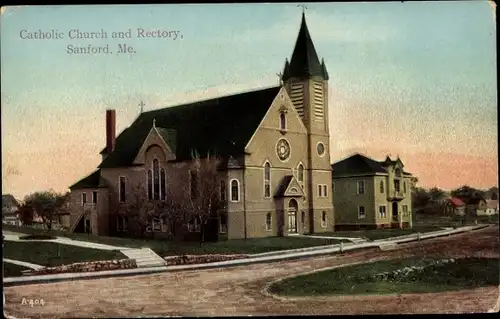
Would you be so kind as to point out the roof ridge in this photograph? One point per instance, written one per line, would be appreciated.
(263, 88)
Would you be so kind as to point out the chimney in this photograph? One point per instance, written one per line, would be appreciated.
(110, 130)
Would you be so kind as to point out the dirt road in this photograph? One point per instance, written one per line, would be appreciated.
(238, 290)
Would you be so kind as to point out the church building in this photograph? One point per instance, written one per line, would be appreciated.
(275, 174)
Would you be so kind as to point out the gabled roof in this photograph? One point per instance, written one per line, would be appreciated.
(289, 186)
(9, 200)
(304, 61)
(492, 203)
(456, 202)
(94, 180)
(169, 136)
(221, 126)
(360, 164)
(357, 164)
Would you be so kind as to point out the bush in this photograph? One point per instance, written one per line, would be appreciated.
(37, 237)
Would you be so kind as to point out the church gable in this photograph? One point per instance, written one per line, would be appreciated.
(157, 140)
(289, 187)
(281, 116)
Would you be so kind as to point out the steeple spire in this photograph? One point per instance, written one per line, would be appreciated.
(325, 72)
(286, 71)
(304, 61)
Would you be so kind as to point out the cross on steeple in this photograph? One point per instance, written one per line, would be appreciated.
(142, 106)
(304, 7)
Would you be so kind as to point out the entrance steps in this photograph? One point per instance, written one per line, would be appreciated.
(144, 257)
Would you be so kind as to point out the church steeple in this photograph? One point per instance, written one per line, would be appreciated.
(286, 71)
(325, 72)
(305, 62)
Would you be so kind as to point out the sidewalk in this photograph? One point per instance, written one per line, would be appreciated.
(23, 263)
(66, 241)
(319, 251)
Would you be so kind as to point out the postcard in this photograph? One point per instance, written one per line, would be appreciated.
(249, 159)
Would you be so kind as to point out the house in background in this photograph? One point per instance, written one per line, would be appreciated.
(476, 206)
(275, 174)
(10, 207)
(371, 194)
(454, 206)
(491, 207)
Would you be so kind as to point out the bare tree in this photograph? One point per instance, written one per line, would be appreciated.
(173, 211)
(136, 207)
(198, 200)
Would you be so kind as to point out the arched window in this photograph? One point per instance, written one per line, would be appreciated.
(156, 179)
(222, 191)
(267, 180)
(282, 121)
(163, 184)
(382, 187)
(150, 184)
(235, 190)
(300, 174)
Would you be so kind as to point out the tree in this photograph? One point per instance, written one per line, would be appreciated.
(47, 205)
(173, 212)
(466, 192)
(202, 202)
(494, 196)
(26, 214)
(137, 208)
(436, 195)
(492, 193)
(420, 198)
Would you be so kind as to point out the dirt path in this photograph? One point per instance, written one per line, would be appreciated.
(238, 290)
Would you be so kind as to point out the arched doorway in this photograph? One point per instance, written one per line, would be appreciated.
(394, 211)
(293, 207)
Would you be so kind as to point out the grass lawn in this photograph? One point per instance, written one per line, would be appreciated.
(247, 246)
(166, 248)
(53, 254)
(463, 274)
(373, 234)
(13, 270)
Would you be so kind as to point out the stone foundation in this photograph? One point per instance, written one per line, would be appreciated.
(85, 267)
(200, 259)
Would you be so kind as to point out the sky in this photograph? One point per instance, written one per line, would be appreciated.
(415, 80)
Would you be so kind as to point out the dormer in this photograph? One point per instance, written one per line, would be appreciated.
(160, 138)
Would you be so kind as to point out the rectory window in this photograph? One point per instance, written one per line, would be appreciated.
(361, 187)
